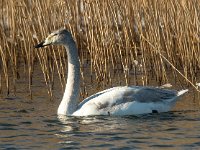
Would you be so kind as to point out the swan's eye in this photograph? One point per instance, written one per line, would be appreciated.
(55, 34)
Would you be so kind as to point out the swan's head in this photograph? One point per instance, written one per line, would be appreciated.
(59, 37)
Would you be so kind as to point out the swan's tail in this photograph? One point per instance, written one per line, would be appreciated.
(181, 92)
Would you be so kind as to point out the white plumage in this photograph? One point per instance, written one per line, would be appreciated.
(133, 100)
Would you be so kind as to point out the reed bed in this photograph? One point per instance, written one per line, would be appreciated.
(120, 41)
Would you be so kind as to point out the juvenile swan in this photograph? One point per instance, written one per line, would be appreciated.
(122, 100)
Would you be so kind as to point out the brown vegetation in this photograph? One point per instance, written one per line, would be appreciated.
(140, 40)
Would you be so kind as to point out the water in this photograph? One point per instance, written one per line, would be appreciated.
(35, 125)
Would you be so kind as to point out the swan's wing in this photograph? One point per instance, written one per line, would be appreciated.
(150, 94)
(121, 95)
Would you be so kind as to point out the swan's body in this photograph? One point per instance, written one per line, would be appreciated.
(125, 100)
(133, 100)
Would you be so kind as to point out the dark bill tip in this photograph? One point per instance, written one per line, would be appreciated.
(40, 45)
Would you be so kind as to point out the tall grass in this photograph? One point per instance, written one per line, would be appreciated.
(131, 41)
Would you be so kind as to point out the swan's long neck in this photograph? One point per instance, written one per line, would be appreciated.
(70, 99)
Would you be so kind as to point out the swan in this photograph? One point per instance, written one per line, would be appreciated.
(118, 101)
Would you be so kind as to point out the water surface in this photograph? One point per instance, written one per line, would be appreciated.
(35, 125)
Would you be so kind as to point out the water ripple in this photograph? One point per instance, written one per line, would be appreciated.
(33, 130)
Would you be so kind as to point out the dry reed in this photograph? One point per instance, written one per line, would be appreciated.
(129, 41)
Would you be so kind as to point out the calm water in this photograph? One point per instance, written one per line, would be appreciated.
(33, 124)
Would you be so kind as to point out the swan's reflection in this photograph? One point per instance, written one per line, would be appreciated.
(90, 123)
(78, 131)
(74, 129)
(68, 124)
